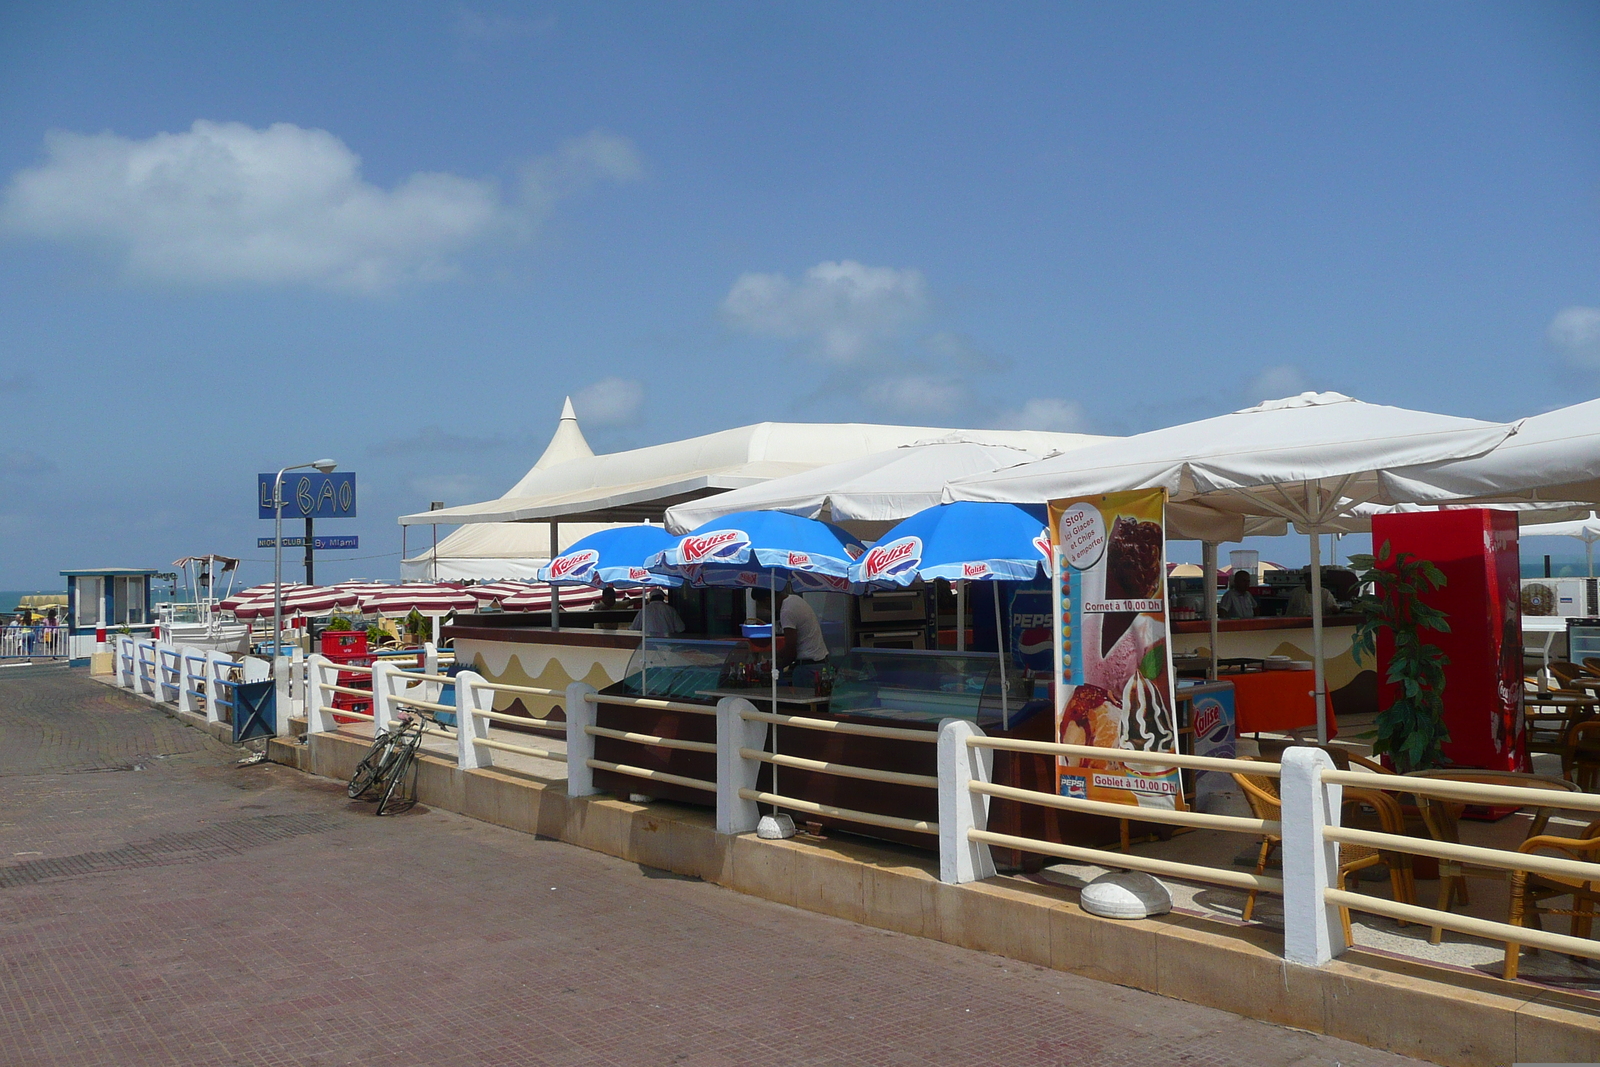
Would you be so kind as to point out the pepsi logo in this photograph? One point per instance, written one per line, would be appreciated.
(1035, 640)
(892, 560)
(574, 564)
(720, 545)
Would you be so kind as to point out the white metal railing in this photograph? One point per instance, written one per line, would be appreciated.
(964, 849)
(1482, 793)
(1310, 795)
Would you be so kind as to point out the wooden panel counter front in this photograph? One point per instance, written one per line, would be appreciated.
(1035, 723)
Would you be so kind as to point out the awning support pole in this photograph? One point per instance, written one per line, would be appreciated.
(555, 590)
(1320, 686)
(1208, 564)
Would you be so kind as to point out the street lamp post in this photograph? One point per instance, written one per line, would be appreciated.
(326, 466)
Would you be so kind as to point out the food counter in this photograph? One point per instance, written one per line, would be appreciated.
(521, 649)
(1282, 701)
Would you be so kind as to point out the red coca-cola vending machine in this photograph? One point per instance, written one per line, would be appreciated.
(1476, 548)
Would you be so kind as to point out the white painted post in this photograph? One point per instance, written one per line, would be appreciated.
(430, 660)
(473, 698)
(1311, 930)
(383, 678)
(185, 701)
(124, 649)
(215, 690)
(297, 686)
(736, 815)
(960, 809)
(320, 671)
(164, 653)
(580, 743)
(145, 683)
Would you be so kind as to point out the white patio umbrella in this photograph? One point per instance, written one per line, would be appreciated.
(1585, 530)
(1307, 459)
(884, 487)
(1553, 457)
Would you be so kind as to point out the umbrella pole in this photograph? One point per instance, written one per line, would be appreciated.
(961, 615)
(1000, 646)
(773, 573)
(1208, 557)
(1319, 688)
(1588, 556)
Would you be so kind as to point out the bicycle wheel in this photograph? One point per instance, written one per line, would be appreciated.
(370, 770)
(399, 792)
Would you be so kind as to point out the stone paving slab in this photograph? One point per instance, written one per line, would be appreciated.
(194, 912)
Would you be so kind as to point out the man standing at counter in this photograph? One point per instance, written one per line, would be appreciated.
(1300, 600)
(1237, 603)
(802, 633)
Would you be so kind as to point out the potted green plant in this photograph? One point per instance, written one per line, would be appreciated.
(1411, 730)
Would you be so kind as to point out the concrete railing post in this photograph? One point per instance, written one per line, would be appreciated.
(164, 653)
(580, 742)
(185, 699)
(145, 683)
(124, 648)
(960, 809)
(736, 815)
(320, 671)
(215, 690)
(430, 659)
(473, 698)
(383, 679)
(1311, 930)
(297, 682)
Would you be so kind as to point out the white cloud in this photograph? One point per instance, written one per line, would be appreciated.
(918, 395)
(610, 402)
(226, 203)
(1046, 413)
(1275, 383)
(845, 312)
(1575, 333)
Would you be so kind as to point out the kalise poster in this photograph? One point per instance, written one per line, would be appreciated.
(1114, 680)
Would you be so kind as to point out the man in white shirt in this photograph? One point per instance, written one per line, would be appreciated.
(1237, 603)
(657, 618)
(1300, 601)
(797, 623)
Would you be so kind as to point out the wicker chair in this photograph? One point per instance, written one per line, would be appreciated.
(1443, 818)
(1262, 794)
(1580, 755)
(1530, 891)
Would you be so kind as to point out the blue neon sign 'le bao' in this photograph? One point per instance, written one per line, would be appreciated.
(310, 495)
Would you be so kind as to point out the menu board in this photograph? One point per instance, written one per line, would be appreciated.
(1113, 659)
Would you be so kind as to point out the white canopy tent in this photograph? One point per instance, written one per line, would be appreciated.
(1307, 459)
(493, 551)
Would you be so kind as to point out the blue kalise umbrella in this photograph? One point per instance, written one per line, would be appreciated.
(756, 548)
(748, 549)
(962, 542)
(615, 557)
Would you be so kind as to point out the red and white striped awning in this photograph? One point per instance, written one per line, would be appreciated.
(538, 599)
(422, 597)
(498, 591)
(298, 600)
(245, 596)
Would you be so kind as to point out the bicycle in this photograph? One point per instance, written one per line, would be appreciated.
(389, 767)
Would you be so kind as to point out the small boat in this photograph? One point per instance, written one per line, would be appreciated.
(197, 623)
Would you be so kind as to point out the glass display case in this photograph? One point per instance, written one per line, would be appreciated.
(681, 669)
(911, 685)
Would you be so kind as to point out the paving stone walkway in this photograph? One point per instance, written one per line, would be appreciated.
(159, 905)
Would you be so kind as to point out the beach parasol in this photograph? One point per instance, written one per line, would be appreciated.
(615, 557)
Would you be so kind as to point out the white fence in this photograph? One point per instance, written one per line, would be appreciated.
(1310, 789)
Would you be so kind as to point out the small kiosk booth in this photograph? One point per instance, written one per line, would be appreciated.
(113, 597)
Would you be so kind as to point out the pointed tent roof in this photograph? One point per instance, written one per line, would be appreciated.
(566, 444)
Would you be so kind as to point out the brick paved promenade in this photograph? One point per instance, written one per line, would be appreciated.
(160, 906)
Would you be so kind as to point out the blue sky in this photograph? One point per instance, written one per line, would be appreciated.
(238, 236)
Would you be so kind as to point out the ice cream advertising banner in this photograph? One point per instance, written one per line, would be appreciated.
(1114, 682)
